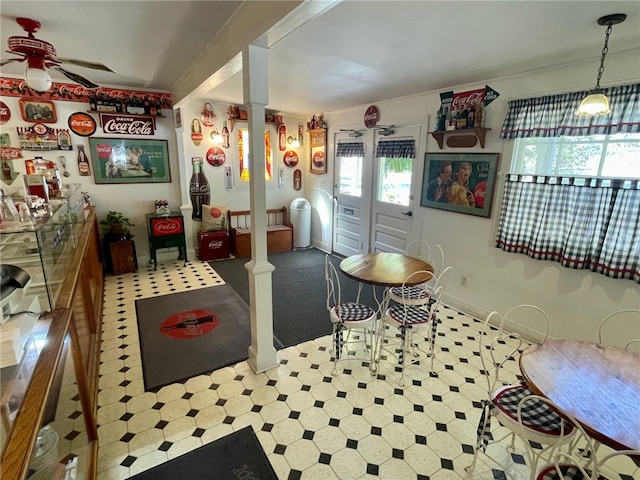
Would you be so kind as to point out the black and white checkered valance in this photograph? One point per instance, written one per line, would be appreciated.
(396, 149)
(554, 115)
(350, 149)
(580, 223)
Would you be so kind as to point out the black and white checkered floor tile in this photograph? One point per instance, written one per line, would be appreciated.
(312, 425)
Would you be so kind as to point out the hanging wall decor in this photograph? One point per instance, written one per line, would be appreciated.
(124, 160)
(196, 132)
(216, 157)
(207, 115)
(40, 137)
(41, 111)
(290, 158)
(5, 113)
(82, 124)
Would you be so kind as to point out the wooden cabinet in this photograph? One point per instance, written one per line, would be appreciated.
(59, 374)
(318, 150)
(123, 257)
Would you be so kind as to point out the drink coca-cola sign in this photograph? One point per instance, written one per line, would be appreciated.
(5, 113)
(167, 226)
(371, 116)
(82, 124)
(127, 125)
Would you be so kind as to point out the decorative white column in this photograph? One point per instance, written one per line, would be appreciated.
(255, 80)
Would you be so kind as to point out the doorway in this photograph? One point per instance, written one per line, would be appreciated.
(375, 176)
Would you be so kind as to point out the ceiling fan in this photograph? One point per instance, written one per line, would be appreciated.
(41, 55)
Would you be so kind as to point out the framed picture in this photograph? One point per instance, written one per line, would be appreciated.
(118, 160)
(40, 111)
(459, 182)
(318, 151)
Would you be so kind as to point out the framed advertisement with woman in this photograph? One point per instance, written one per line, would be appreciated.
(118, 160)
(460, 182)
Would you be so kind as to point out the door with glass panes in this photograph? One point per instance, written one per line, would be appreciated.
(374, 180)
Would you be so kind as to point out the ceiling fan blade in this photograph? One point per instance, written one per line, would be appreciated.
(77, 78)
(11, 60)
(85, 64)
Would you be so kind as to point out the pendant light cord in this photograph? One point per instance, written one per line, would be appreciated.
(605, 49)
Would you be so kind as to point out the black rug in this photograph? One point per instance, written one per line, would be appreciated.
(187, 334)
(299, 293)
(236, 456)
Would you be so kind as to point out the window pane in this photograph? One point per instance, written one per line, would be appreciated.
(394, 180)
(350, 182)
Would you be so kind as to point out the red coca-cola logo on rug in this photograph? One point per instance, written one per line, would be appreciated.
(216, 156)
(82, 124)
(189, 324)
(371, 116)
(479, 193)
(5, 113)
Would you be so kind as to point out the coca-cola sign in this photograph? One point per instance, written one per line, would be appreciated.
(167, 226)
(5, 113)
(216, 156)
(10, 153)
(126, 124)
(371, 116)
(82, 124)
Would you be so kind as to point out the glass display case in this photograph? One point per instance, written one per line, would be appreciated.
(43, 247)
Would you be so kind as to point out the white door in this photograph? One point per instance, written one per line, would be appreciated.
(352, 192)
(394, 180)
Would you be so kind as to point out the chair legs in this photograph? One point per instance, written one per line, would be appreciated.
(339, 342)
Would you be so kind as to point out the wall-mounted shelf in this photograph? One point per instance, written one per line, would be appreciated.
(127, 114)
(480, 133)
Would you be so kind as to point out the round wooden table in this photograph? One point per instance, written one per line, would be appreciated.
(598, 385)
(385, 269)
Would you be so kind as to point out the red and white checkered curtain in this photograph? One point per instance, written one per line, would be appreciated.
(581, 223)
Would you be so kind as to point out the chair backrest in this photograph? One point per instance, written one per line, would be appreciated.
(570, 432)
(432, 254)
(621, 329)
(501, 341)
(333, 283)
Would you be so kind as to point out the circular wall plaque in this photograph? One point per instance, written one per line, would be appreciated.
(216, 156)
(82, 124)
(290, 158)
(5, 113)
(371, 116)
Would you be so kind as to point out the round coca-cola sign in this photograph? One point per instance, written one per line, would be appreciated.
(290, 158)
(5, 113)
(216, 156)
(82, 124)
(371, 116)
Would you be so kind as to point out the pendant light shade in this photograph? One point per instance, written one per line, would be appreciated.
(37, 79)
(597, 103)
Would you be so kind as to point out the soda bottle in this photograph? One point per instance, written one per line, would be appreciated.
(198, 188)
(225, 135)
(83, 162)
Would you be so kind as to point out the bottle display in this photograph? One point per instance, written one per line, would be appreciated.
(198, 189)
(225, 135)
(83, 162)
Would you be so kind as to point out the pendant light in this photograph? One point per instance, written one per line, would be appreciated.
(597, 103)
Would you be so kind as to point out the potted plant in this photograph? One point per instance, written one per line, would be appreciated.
(116, 228)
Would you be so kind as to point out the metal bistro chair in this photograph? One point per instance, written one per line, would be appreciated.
(347, 316)
(419, 294)
(563, 464)
(541, 424)
(627, 322)
(409, 319)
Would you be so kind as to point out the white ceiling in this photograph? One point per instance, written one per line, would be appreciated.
(356, 53)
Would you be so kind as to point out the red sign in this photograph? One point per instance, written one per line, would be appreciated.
(371, 116)
(216, 156)
(5, 113)
(104, 150)
(318, 159)
(82, 124)
(189, 324)
(10, 153)
(290, 158)
(127, 125)
(166, 226)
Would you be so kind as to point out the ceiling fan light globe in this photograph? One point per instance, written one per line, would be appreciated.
(596, 103)
(37, 79)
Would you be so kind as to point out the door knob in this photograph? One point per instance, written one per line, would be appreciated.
(408, 214)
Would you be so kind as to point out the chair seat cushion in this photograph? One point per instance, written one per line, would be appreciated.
(409, 293)
(353, 312)
(569, 472)
(536, 415)
(415, 315)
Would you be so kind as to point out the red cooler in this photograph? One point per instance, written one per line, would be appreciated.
(214, 245)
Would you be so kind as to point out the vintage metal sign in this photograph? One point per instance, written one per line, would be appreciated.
(5, 113)
(216, 156)
(40, 137)
(371, 116)
(82, 124)
(127, 125)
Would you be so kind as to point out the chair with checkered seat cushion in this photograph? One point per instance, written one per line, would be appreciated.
(409, 320)
(565, 460)
(498, 351)
(420, 294)
(347, 316)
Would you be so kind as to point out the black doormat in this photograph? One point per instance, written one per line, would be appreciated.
(299, 293)
(187, 334)
(239, 455)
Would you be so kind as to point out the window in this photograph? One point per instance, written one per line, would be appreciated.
(244, 157)
(612, 156)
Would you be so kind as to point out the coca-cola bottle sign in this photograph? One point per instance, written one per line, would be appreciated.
(371, 116)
